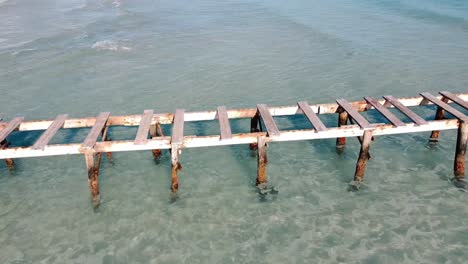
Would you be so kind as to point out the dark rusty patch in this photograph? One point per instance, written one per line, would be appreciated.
(156, 153)
(460, 153)
(93, 180)
(10, 163)
(434, 138)
(341, 142)
(253, 146)
(262, 161)
(363, 157)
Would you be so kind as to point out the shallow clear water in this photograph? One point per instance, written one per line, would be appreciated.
(84, 57)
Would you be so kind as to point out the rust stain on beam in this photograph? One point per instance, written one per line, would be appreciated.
(460, 153)
(10, 163)
(175, 168)
(93, 165)
(341, 141)
(262, 161)
(93, 177)
(435, 134)
(156, 131)
(254, 128)
(363, 156)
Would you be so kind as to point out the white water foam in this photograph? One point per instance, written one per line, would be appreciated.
(110, 45)
(3, 2)
(117, 3)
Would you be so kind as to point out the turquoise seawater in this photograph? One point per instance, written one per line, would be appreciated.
(83, 57)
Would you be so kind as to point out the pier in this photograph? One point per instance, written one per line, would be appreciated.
(263, 130)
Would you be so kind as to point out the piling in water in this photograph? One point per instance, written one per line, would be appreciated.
(459, 163)
(262, 161)
(341, 141)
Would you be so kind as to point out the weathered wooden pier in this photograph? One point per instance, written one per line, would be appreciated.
(263, 130)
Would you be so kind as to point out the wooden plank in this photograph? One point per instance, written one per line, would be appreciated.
(270, 124)
(91, 139)
(353, 113)
(455, 99)
(178, 127)
(312, 116)
(47, 136)
(14, 123)
(143, 129)
(445, 106)
(405, 110)
(224, 126)
(384, 111)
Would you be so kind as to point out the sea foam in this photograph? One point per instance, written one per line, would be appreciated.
(110, 45)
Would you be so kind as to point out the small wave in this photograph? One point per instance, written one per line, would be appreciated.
(116, 3)
(18, 52)
(110, 45)
(3, 2)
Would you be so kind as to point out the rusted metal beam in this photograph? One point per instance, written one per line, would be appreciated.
(93, 176)
(105, 137)
(175, 167)
(93, 164)
(342, 121)
(363, 156)
(156, 131)
(459, 164)
(10, 163)
(177, 139)
(440, 114)
(255, 127)
(262, 162)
